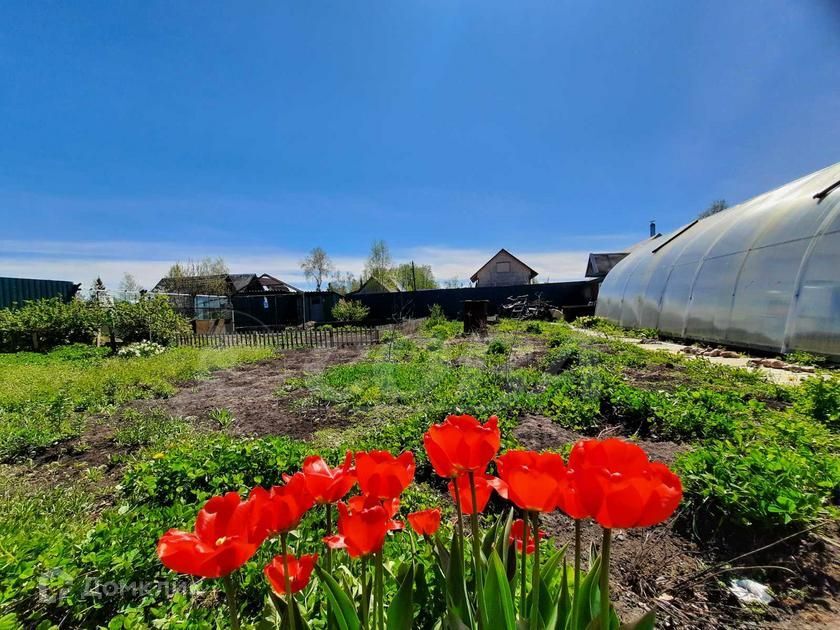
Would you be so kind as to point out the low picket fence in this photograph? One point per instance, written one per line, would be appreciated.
(286, 340)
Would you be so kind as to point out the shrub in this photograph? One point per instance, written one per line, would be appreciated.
(53, 321)
(533, 328)
(187, 471)
(498, 347)
(756, 482)
(801, 357)
(152, 317)
(349, 311)
(436, 317)
(819, 397)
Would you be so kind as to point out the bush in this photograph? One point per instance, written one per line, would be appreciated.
(435, 318)
(53, 321)
(498, 347)
(349, 311)
(758, 481)
(189, 471)
(151, 317)
(819, 397)
(533, 328)
(57, 323)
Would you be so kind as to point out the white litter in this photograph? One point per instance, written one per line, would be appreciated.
(750, 592)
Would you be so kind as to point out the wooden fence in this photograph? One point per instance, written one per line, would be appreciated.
(285, 340)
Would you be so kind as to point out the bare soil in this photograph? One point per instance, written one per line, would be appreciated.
(664, 567)
(249, 391)
(252, 393)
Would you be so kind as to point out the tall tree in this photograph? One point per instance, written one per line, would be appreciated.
(129, 285)
(343, 283)
(317, 266)
(716, 206)
(379, 260)
(212, 271)
(418, 277)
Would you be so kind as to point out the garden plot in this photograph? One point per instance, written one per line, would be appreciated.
(758, 462)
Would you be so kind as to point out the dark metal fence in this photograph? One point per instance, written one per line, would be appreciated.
(286, 340)
(410, 304)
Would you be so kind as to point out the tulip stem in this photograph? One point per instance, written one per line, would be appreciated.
(476, 543)
(329, 533)
(330, 618)
(605, 579)
(365, 593)
(460, 522)
(380, 588)
(577, 554)
(535, 580)
(230, 591)
(290, 609)
(523, 569)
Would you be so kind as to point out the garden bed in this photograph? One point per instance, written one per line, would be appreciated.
(154, 444)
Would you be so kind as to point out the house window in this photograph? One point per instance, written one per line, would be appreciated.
(265, 303)
(503, 267)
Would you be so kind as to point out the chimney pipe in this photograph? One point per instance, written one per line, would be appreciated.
(652, 228)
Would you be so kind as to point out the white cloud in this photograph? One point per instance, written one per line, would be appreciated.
(81, 261)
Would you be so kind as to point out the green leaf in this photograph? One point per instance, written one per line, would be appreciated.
(275, 614)
(645, 622)
(564, 603)
(581, 611)
(497, 596)
(401, 610)
(345, 614)
(457, 602)
(548, 572)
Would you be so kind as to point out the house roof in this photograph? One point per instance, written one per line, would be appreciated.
(234, 283)
(600, 264)
(377, 284)
(474, 277)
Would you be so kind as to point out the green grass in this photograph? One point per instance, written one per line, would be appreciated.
(45, 398)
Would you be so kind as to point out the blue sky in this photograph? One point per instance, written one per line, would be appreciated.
(133, 134)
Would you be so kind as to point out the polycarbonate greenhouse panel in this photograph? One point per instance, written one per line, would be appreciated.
(764, 274)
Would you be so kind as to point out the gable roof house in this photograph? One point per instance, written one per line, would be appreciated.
(225, 284)
(378, 284)
(600, 264)
(503, 269)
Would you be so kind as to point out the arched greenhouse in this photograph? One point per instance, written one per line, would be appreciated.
(764, 274)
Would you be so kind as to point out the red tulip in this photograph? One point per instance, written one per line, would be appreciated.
(484, 486)
(361, 532)
(223, 540)
(392, 507)
(383, 476)
(516, 534)
(280, 510)
(425, 522)
(328, 485)
(299, 571)
(620, 487)
(568, 497)
(533, 479)
(462, 444)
